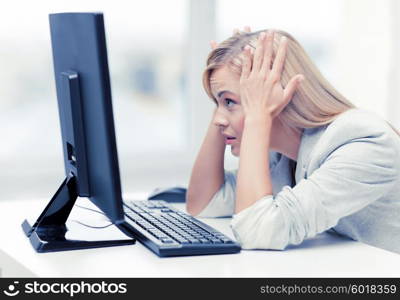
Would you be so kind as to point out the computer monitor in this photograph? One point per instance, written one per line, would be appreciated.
(87, 130)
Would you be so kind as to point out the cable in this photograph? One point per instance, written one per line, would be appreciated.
(99, 212)
(90, 226)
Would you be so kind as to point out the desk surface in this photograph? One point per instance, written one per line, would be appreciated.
(326, 255)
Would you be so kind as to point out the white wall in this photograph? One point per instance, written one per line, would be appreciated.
(363, 53)
(393, 83)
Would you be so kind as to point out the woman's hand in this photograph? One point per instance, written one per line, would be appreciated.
(214, 44)
(261, 91)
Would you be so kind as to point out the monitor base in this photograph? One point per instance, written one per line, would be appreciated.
(48, 232)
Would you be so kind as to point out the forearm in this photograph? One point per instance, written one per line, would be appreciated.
(208, 171)
(253, 177)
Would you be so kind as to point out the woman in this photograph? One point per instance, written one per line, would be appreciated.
(310, 161)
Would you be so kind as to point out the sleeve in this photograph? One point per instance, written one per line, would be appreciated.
(223, 202)
(351, 177)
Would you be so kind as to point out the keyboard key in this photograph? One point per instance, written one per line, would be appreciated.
(216, 241)
(193, 240)
(227, 241)
(182, 240)
(167, 240)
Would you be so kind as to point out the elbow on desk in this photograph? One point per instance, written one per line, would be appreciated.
(254, 230)
(192, 206)
(250, 241)
(191, 211)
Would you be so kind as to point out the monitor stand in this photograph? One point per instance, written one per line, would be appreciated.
(48, 232)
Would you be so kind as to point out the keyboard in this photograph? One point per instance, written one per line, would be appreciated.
(170, 232)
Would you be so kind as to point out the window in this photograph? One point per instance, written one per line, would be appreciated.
(145, 47)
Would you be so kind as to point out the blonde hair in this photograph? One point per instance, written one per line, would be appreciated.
(315, 103)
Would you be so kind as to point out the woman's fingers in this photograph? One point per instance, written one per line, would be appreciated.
(291, 88)
(246, 29)
(280, 58)
(214, 44)
(259, 53)
(247, 62)
(268, 45)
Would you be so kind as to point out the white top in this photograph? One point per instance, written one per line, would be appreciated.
(346, 180)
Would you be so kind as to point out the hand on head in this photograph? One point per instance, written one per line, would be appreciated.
(236, 31)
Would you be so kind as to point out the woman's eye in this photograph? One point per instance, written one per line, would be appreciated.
(229, 101)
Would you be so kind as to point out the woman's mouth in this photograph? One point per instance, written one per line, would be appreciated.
(229, 140)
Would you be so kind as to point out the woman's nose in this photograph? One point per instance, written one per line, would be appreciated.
(220, 119)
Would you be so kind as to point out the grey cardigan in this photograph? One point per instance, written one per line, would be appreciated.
(346, 179)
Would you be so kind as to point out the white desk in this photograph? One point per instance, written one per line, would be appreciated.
(324, 256)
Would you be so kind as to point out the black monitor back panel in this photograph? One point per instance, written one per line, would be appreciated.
(78, 42)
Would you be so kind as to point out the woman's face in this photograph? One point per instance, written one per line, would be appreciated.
(229, 115)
